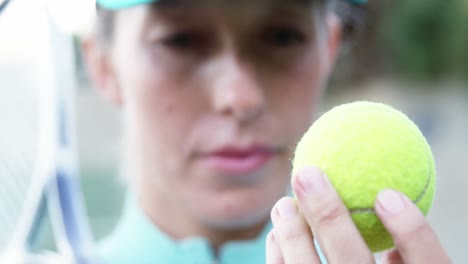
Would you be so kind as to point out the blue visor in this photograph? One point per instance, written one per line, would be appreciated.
(119, 4)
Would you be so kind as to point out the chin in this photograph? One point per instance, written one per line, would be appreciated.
(241, 206)
(238, 215)
(240, 222)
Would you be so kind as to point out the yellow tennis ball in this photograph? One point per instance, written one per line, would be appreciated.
(364, 147)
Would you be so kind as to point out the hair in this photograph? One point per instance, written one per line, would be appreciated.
(352, 17)
(104, 24)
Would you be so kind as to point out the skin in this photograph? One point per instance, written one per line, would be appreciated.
(319, 208)
(190, 79)
(212, 74)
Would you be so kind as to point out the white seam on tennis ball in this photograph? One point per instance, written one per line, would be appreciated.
(414, 127)
(416, 201)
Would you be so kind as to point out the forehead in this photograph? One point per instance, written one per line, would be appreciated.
(247, 8)
(162, 5)
(240, 14)
(174, 3)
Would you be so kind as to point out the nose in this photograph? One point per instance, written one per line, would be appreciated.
(237, 90)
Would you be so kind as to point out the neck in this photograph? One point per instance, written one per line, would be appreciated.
(178, 224)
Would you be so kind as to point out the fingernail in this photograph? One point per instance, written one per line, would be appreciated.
(286, 207)
(312, 180)
(391, 201)
(273, 237)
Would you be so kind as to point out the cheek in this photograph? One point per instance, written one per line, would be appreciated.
(155, 109)
(306, 79)
(149, 106)
(155, 97)
(296, 97)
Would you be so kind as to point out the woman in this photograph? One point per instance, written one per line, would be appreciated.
(214, 95)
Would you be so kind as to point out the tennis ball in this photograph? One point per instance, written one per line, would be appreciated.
(364, 147)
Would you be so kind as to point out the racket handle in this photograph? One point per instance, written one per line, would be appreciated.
(74, 217)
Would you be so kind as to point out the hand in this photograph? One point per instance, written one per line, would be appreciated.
(324, 217)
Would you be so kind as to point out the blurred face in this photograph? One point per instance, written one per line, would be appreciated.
(215, 97)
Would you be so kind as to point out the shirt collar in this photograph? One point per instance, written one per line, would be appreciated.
(137, 240)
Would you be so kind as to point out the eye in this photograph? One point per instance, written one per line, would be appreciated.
(182, 40)
(284, 36)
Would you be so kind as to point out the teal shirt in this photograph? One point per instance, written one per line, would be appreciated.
(137, 240)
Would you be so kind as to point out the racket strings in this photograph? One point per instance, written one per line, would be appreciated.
(18, 151)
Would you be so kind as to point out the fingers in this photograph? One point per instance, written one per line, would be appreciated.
(414, 238)
(329, 219)
(273, 251)
(392, 257)
(292, 233)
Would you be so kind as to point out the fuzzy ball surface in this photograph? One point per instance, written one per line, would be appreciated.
(363, 148)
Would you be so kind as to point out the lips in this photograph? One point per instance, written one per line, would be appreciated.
(235, 160)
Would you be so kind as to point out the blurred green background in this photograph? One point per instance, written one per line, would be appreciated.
(417, 41)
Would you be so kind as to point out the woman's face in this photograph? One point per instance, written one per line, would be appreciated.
(215, 96)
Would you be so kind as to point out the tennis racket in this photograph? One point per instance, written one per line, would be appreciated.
(38, 162)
